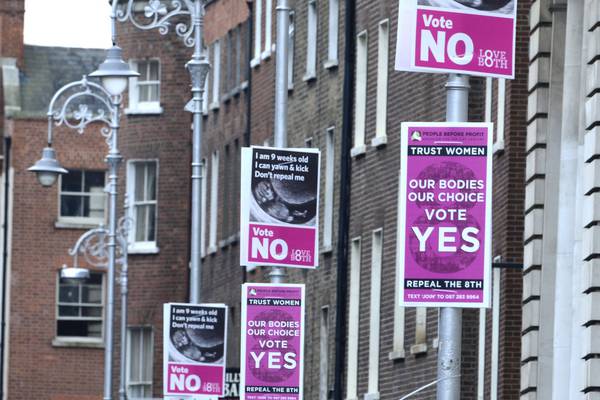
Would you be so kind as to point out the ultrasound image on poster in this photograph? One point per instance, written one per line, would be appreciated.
(197, 334)
(284, 187)
(493, 6)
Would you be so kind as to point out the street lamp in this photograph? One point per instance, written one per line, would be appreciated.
(158, 14)
(76, 112)
(93, 246)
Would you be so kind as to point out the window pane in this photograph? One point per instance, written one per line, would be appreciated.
(154, 71)
(144, 93)
(135, 368)
(140, 223)
(68, 311)
(139, 182)
(94, 329)
(147, 359)
(95, 205)
(151, 209)
(94, 279)
(91, 294)
(152, 92)
(143, 70)
(68, 294)
(151, 192)
(91, 311)
(71, 206)
(71, 182)
(93, 180)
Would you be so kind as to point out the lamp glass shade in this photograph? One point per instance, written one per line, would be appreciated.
(74, 274)
(47, 168)
(115, 85)
(46, 178)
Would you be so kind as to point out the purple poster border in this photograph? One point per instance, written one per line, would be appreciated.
(439, 269)
(288, 386)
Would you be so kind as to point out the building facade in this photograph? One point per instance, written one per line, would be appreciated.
(561, 301)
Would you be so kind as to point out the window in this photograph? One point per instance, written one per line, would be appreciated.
(360, 112)
(82, 197)
(144, 90)
(216, 74)
(329, 188)
(205, 97)
(311, 41)
(374, 316)
(229, 84)
(142, 192)
(382, 83)
(80, 308)
(268, 29)
(238, 57)
(353, 315)
(332, 47)
(214, 196)
(139, 362)
(257, 32)
(420, 345)
(291, 42)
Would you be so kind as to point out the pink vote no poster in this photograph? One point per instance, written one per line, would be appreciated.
(272, 348)
(279, 216)
(462, 36)
(445, 214)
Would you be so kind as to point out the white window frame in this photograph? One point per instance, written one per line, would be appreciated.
(374, 314)
(360, 99)
(257, 33)
(80, 340)
(69, 221)
(266, 53)
(214, 200)
(329, 189)
(354, 316)
(143, 107)
(311, 40)
(129, 358)
(398, 351)
(216, 74)
(141, 247)
(380, 138)
(332, 40)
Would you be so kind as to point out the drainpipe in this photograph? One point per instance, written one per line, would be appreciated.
(344, 216)
(7, 143)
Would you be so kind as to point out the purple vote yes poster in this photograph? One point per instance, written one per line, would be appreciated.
(279, 216)
(467, 36)
(272, 349)
(445, 214)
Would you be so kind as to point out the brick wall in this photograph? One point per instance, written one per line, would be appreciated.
(39, 249)
(11, 29)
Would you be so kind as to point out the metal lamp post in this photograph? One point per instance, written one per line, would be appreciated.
(158, 14)
(93, 246)
(75, 113)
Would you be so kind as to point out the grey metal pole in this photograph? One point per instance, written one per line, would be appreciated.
(198, 68)
(450, 336)
(277, 274)
(123, 282)
(113, 160)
